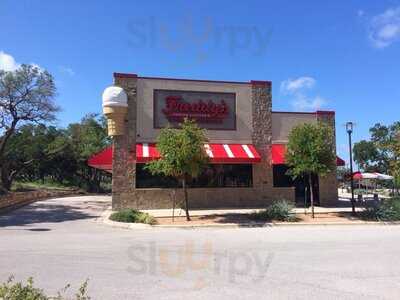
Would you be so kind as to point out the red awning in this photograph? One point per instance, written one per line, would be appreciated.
(278, 154)
(279, 151)
(102, 160)
(218, 153)
(340, 162)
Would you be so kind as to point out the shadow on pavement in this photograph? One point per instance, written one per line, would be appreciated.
(43, 213)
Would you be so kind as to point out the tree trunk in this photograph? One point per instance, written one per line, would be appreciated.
(3, 140)
(5, 185)
(311, 195)
(173, 194)
(185, 195)
(6, 180)
(305, 195)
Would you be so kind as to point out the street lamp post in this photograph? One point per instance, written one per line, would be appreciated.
(349, 129)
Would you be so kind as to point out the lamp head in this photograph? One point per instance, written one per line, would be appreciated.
(349, 127)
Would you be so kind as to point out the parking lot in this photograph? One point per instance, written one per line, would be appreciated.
(60, 241)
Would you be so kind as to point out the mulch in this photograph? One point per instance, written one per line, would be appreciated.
(245, 219)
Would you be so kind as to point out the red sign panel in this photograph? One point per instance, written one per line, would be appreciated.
(211, 110)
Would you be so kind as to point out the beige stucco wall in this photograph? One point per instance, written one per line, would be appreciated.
(283, 122)
(146, 132)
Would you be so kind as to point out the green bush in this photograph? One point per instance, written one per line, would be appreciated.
(278, 211)
(11, 290)
(386, 210)
(129, 215)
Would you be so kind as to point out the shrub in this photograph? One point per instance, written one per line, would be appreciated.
(387, 210)
(129, 215)
(279, 210)
(11, 290)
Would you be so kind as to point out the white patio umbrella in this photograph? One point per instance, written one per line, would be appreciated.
(377, 176)
(369, 176)
(384, 176)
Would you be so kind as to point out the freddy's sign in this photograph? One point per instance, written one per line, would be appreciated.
(212, 110)
(202, 111)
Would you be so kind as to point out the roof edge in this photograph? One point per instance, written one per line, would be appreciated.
(318, 112)
(132, 75)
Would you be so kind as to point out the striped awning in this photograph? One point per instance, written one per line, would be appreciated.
(218, 154)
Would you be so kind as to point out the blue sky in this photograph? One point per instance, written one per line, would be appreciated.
(341, 55)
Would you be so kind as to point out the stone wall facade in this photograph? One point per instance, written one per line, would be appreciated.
(124, 150)
(262, 193)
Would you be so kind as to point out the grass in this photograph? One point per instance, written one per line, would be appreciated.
(22, 186)
(129, 215)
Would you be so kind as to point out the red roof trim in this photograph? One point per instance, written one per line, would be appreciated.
(261, 82)
(124, 75)
(127, 75)
(325, 112)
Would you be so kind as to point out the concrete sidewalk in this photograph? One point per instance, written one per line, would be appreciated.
(207, 212)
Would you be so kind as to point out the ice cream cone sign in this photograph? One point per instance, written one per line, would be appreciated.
(115, 108)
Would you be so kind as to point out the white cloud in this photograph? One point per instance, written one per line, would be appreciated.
(66, 70)
(302, 102)
(299, 89)
(360, 13)
(7, 62)
(295, 85)
(384, 29)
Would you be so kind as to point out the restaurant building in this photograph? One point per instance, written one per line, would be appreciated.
(247, 144)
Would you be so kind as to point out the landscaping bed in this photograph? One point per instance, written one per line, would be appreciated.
(279, 212)
(242, 219)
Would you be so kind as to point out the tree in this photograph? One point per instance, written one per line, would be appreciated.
(88, 137)
(26, 95)
(310, 151)
(385, 139)
(26, 154)
(39, 152)
(182, 155)
(365, 155)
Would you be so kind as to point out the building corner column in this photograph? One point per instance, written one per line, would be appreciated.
(261, 99)
(124, 149)
(328, 186)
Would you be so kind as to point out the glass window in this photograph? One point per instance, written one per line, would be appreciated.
(144, 179)
(225, 175)
(281, 179)
(213, 175)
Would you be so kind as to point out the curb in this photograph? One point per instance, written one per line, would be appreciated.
(104, 218)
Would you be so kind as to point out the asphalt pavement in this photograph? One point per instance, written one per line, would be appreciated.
(61, 241)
